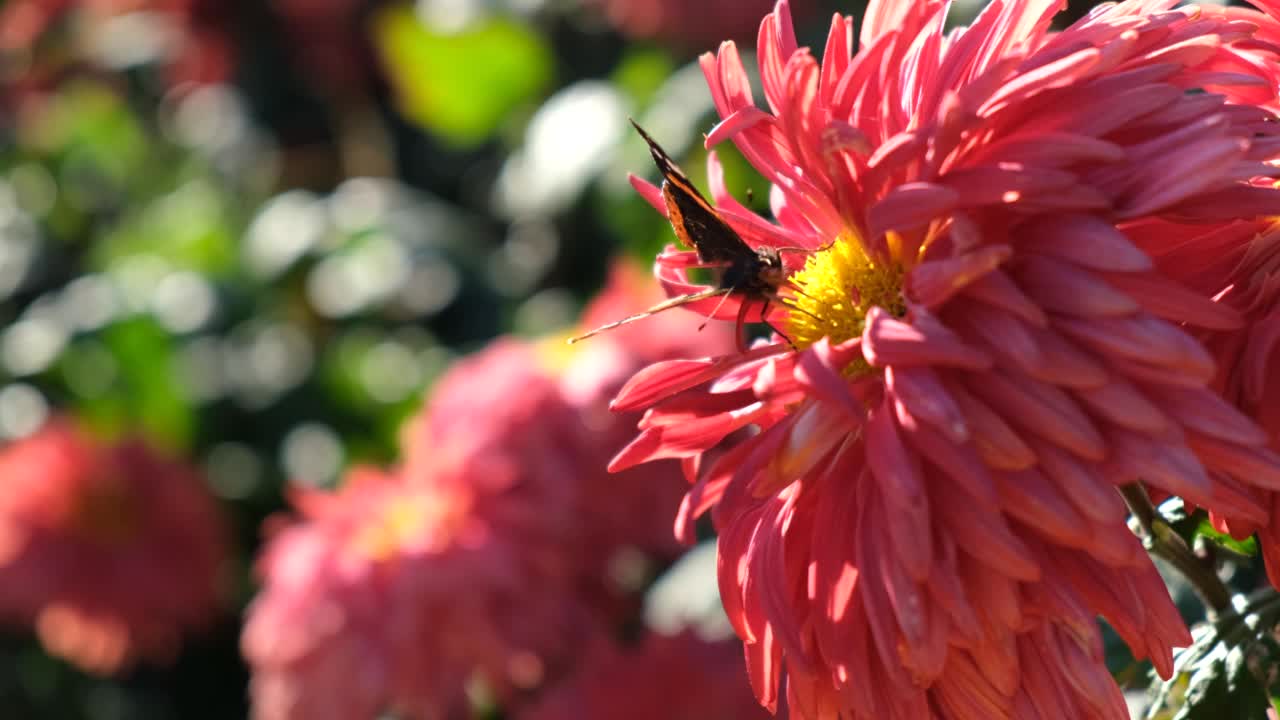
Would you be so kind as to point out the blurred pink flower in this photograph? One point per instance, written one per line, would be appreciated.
(673, 678)
(496, 549)
(389, 596)
(396, 591)
(926, 524)
(112, 551)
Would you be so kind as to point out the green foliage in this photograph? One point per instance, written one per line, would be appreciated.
(1193, 527)
(147, 393)
(506, 64)
(1222, 686)
(1247, 547)
(641, 73)
(1230, 670)
(190, 228)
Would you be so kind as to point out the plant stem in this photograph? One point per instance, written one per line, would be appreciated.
(1160, 540)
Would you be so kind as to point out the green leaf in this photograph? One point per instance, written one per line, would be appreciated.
(147, 393)
(187, 227)
(1248, 546)
(461, 85)
(642, 73)
(90, 124)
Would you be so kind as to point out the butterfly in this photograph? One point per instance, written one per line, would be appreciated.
(754, 274)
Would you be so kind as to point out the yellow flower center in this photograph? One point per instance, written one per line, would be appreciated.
(834, 290)
(553, 352)
(413, 519)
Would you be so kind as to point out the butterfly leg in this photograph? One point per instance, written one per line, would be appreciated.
(740, 335)
(764, 312)
(764, 315)
(719, 305)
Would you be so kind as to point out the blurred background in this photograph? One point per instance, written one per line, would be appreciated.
(254, 232)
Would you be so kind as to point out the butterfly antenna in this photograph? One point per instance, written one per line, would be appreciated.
(664, 305)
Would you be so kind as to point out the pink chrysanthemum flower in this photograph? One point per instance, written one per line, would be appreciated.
(394, 593)
(680, 677)
(925, 524)
(335, 631)
(112, 552)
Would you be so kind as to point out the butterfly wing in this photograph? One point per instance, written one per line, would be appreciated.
(696, 223)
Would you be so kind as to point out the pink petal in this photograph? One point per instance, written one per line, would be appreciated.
(1091, 495)
(1062, 363)
(1207, 413)
(815, 373)
(959, 462)
(1040, 409)
(933, 282)
(1084, 240)
(744, 117)
(1143, 339)
(887, 341)
(650, 192)
(1171, 301)
(922, 393)
(1259, 467)
(996, 289)
(998, 444)
(664, 379)
(910, 205)
(1121, 403)
(1064, 287)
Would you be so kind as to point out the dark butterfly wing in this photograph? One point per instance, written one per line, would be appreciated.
(696, 223)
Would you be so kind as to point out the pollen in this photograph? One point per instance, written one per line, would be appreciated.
(834, 290)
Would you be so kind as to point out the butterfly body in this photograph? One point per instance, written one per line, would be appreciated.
(700, 227)
(754, 274)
